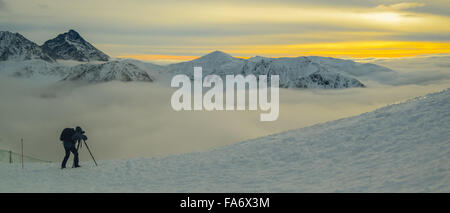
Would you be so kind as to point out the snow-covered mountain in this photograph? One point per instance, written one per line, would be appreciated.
(120, 70)
(348, 66)
(71, 46)
(327, 80)
(23, 58)
(33, 69)
(300, 72)
(217, 62)
(14, 46)
(399, 148)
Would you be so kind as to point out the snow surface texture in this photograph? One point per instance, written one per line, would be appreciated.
(399, 148)
(71, 46)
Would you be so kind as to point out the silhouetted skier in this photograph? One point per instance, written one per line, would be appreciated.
(69, 146)
(79, 136)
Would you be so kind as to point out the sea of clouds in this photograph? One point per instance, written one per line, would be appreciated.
(128, 120)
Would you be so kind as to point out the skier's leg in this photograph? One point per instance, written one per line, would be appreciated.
(66, 157)
(75, 157)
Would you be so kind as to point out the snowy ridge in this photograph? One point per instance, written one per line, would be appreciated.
(33, 69)
(122, 70)
(23, 58)
(117, 70)
(327, 80)
(399, 148)
(348, 66)
(71, 46)
(14, 46)
(217, 62)
(300, 72)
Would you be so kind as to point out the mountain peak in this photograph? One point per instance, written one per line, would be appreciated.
(217, 53)
(216, 56)
(73, 34)
(72, 31)
(71, 46)
(14, 46)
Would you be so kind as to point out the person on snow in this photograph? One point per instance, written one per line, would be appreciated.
(70, 137)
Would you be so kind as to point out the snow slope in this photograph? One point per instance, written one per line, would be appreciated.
(399, 148)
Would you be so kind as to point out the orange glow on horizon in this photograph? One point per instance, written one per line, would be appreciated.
(357, 49)
(149, 57)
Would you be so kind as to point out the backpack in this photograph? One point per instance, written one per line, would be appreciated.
(67, 134)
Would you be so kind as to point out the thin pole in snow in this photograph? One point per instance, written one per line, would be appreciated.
(10, 156)
(21, 141)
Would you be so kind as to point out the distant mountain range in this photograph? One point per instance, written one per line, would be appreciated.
(66, 46)
(299, 72)
(23, 58)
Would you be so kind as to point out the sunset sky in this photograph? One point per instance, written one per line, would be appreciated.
(182, 30)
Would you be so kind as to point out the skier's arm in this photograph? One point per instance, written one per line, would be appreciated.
(75, 137)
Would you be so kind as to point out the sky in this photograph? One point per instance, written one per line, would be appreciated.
(174, 30)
